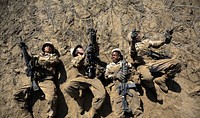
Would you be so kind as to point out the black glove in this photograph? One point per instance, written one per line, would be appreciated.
(134, 34)
(28, 72)
(100, 71)
(168, 36)
(90, 49)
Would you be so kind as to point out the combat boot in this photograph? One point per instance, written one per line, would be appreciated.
(161, 82)
(158, 94)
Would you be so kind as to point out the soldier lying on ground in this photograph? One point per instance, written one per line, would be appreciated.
(78, 80)
(45, 75)
(169, 67)
(114, 73)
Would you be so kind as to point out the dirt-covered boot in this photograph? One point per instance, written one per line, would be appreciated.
(161, 82)
(158, 94)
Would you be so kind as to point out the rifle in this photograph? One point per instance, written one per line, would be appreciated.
(30, 63)
(168, 36)
(134, 34)
(124, 87)
(156, 55)
(91, 54)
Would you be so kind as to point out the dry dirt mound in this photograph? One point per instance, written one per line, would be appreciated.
(65, 22)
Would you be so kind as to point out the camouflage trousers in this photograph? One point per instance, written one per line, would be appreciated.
(134, 103)
(167, 66)
(49, 89)
(74, 86)
(46, 85)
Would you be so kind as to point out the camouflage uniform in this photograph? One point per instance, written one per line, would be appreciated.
(168, 66)
(47, 80)
(116, 99)
(77, 81)
(45, 75)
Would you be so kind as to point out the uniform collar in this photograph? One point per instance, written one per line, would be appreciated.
(119, 62)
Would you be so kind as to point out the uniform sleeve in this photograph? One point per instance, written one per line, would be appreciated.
(54, 59)
(143, 45)
(48, 60)
(78, 61)
(156, 44)
(109, 74)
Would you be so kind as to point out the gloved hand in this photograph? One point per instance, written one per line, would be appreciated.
(119, 75)
(28, 72)
(100, 71)
(168, 36)
(90, 49)
(134, 33)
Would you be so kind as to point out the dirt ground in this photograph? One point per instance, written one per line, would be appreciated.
(65, 23)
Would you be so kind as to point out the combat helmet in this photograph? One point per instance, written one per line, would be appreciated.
(48, 43)
(119, 51)
(73, 50)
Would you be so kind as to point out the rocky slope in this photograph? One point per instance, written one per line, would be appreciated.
(65, 23)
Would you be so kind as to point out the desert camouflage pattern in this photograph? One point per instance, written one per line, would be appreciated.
(49, 61)
(143, 47)
(116, 99)
(78, 82)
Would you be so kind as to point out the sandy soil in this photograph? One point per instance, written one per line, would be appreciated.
(65, 22)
